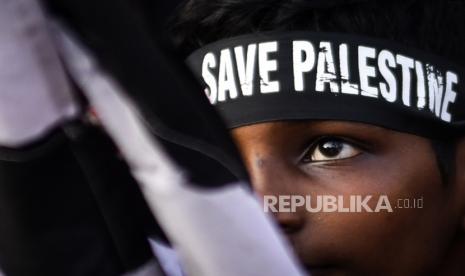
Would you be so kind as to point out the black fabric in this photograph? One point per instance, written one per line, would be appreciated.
(289, 104)
(68, 207)
(117, 194)
(53, 219)
(128, 44)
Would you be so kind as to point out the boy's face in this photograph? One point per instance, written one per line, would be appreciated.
(343, 159)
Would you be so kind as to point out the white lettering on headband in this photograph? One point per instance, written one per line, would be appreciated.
(330, 64)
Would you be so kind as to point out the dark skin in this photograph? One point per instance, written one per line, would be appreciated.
(342, 158)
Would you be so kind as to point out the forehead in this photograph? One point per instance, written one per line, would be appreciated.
(296, 135)
(289, 128)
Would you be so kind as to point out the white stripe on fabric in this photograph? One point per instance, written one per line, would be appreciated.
(217, 231)
(34, 93)
(168, 258)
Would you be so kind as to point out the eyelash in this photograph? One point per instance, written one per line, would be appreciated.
(316, 142)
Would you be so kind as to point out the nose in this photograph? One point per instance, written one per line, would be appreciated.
(271, 176)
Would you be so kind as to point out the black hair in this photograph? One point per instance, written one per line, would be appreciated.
(435, 26)
(445, 153)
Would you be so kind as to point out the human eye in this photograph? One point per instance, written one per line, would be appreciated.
(327, 149)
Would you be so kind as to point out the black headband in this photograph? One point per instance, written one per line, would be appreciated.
(304, 75)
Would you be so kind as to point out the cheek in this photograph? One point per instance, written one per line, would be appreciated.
(404, 238)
